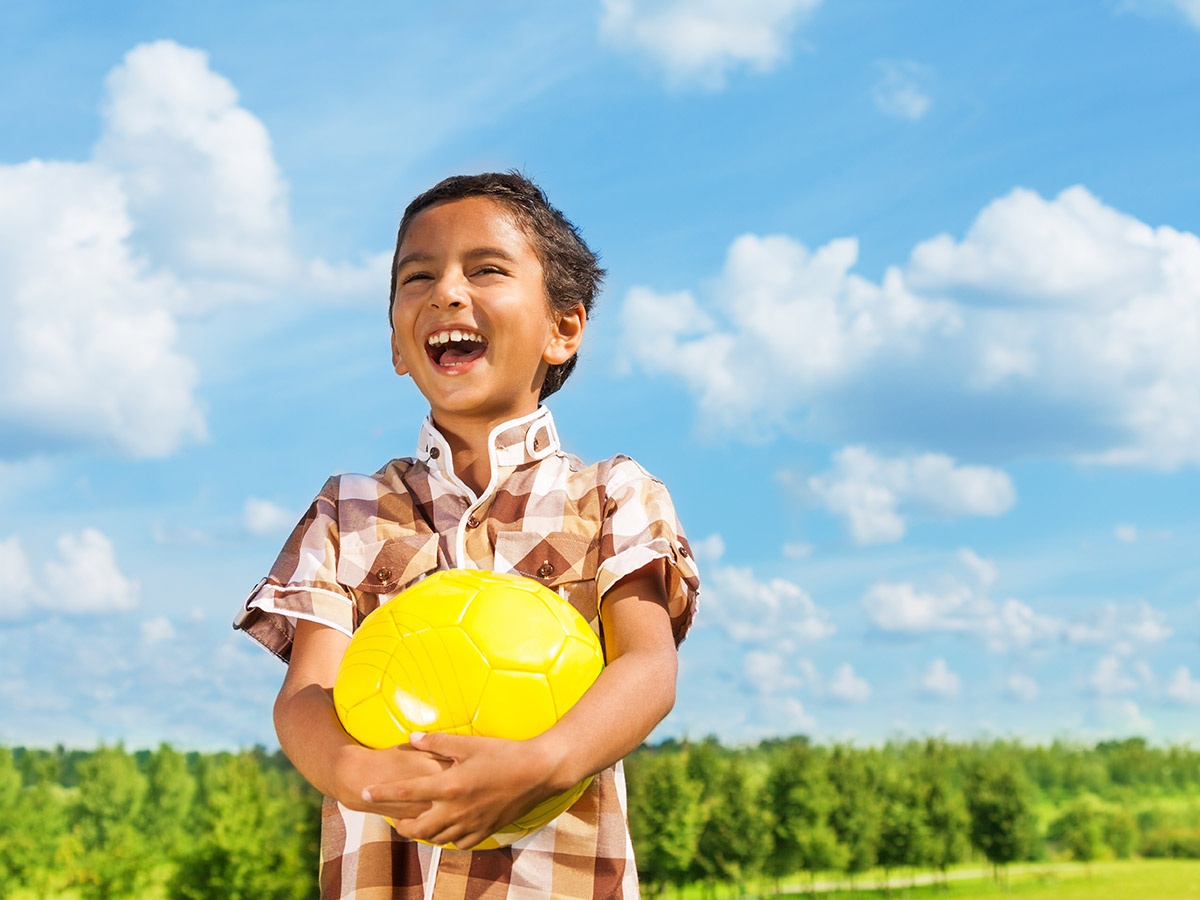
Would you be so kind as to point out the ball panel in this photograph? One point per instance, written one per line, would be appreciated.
(435, 680)
(515, 705)
(425, 610)
(371, 723)
(550, 809)
(356, 683)
(572, 621)
(573, 672)
(512, 628)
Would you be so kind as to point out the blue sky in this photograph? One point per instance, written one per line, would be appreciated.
(903, 304)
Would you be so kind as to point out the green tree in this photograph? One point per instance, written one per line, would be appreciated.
(946, 815)
(10, 796)
(736, 836)
(665, 817)
(1080, 829)
(1000, 803)
(856, 809)
(801, 799)
(113, 861)
(1120, 831)
(903, 834)
(37, 844)
(250, 847)
(169, 795)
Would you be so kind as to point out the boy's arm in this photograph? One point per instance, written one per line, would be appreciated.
(314, 740)
(493, 781)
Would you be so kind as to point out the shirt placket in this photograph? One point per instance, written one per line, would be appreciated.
(473, 536)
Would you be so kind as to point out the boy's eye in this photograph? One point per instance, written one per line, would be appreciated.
(489, 270)
(413, 276)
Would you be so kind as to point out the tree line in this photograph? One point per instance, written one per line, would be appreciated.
(113, 824)
(198, 826)
(705, 813)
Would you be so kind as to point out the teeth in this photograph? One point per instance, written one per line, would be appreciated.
(444, 337)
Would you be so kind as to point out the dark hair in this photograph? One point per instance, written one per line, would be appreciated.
(571, 271)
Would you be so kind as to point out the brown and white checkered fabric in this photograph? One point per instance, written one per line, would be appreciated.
(577, 529)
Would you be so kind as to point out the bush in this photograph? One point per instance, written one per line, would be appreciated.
(1171, 843)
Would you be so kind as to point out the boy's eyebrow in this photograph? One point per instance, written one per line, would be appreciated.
(412, 258)
(471, 254)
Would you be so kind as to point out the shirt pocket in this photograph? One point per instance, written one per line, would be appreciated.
(375, 571)
(564, 562)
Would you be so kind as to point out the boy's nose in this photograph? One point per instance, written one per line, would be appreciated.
(448, 296)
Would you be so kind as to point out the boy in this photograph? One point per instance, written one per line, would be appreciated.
(491, 287)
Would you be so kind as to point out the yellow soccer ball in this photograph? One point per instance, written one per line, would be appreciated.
(467, 651)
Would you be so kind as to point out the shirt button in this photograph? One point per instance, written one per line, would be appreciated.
(384, 574)
(545, 570)
(472, 522)
(434, 452)
(683, 551)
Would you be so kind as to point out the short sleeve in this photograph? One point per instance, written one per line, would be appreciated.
(639, 527)
(303, 582)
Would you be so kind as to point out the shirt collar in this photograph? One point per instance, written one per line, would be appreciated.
(512, 443)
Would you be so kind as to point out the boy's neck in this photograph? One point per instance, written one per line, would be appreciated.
(468, 440)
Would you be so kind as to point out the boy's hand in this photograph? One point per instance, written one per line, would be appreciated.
(358, 766)
(488, 784)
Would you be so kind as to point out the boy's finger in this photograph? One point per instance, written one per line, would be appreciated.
(417, 790)
(448, 746)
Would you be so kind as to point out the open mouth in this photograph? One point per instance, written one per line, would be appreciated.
(455, 347)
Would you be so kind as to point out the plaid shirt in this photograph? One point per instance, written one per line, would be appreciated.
(578, 529)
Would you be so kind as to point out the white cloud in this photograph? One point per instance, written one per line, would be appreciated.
(875, 495)
(1183, 688)
(83, 579)
(769, 673)
(797, 550)
(901, 607)
(1055, 327)
(792, 717)
(701, 41)
(157, 630)
(1126, 534)
(1110, 679)
(86, 578)
(1146, 677)
(1022, 687)
(1123, 717)
(984, 570)
(16, 580)
(1189, 9)
(847, 686)
(262, 517)
(900, 89)
(709, 549)
(1120, 627)
(181, 207)
(939, 681)
(800, 324)
(196, 166)
(89, 352)
(775, 613)
(954, 605)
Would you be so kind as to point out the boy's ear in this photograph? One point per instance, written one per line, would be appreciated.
(566, 335)
(397, 362)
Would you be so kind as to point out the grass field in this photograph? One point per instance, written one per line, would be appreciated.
(1129, 880)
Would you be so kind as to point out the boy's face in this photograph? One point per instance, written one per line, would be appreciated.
(471, 322)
